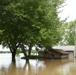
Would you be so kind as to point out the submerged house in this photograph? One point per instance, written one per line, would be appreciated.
(70, 49)
(54, 54)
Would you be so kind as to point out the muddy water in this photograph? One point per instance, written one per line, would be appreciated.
(36, 67)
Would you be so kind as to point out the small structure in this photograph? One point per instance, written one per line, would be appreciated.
(54, 54)
(70, 49)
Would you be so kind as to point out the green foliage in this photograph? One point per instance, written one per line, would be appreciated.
(18, 51)
(4, 51)
(33, 51)
(29, 22)
(69, 33)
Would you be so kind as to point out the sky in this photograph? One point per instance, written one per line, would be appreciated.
(3, 49)
(69, 10)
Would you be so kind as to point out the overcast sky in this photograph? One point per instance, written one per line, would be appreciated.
(69, 10)
(5, 49)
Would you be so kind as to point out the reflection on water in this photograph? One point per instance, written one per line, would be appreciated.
(36, 67)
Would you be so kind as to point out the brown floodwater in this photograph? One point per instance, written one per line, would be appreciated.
(36, 67)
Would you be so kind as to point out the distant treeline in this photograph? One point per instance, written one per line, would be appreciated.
(18, 51)
(5, 52)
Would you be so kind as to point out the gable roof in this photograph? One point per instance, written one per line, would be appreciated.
(61, 51)
(65, 48)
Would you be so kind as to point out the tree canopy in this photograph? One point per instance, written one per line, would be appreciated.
(69, 32)
(29, 23)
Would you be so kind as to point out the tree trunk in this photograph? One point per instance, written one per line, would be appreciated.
(29, 52)
(13, 55)
(23, 50)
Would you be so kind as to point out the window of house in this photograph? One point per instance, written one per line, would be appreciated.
(52, 56)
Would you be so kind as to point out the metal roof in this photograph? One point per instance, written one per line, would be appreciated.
(65, 48)
(61, 51)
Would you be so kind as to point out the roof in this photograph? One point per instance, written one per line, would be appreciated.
(61, 51)
(65, 48)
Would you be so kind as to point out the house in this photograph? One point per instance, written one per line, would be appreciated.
(70, 49)
(54, 53)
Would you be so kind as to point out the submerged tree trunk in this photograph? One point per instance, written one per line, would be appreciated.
(13, 49)
(29, 51)
(23, 50)
(13, 55)
(27, 55)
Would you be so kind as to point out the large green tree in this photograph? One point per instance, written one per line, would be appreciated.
(69, 33)
(28, 23)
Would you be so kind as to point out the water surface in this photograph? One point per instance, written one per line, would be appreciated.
(36, 67)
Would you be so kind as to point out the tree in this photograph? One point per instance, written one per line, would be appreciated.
(69, 33)
(28, 23)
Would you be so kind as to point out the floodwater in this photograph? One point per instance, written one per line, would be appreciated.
(36, 67)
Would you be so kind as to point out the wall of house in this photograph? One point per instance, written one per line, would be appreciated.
(57, 55)
(71, 55)
(64, 56)
(52, 54)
